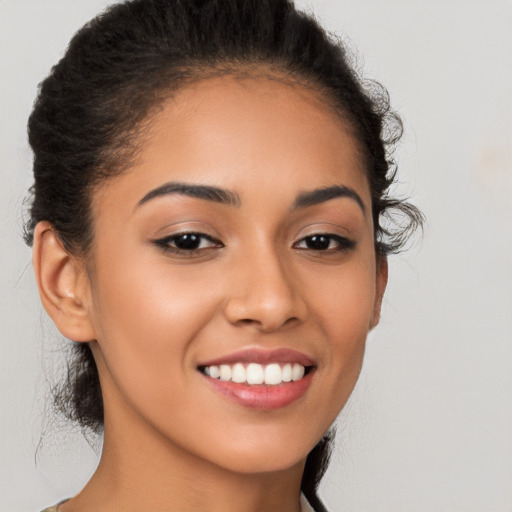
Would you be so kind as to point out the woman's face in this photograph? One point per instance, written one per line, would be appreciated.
(240, 242)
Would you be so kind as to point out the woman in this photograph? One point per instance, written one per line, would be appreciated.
(210, 183)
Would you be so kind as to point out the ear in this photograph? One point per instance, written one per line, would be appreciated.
(63, 284)
(381, 280)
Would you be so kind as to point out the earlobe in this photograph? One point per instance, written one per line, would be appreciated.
(63, 284)
(381, 280)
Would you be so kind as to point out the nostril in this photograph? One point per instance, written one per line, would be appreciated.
(268, 322)
(247, 321)
(264, 312)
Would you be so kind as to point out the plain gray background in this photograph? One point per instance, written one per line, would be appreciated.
(429, 427)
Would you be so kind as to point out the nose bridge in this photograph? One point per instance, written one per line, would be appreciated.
(265, 292)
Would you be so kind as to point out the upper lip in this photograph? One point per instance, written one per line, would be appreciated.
(261, 356)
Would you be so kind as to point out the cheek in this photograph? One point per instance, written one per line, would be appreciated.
(139, 292)
(343, 305)
(344, 302)
(145, 316)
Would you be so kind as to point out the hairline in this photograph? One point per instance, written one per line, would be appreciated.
(127, 144)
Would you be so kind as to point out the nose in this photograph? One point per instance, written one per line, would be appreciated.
(265, 293)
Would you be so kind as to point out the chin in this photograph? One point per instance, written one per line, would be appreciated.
(257, 464)
(272, 454)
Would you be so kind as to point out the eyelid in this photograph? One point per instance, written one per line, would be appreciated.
(344, 243)
(200, 234)
(165, 243)
(184, 225)
(322, 228)
(344, 240)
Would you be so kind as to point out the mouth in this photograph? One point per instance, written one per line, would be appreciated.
(261, 379)
(255, 374)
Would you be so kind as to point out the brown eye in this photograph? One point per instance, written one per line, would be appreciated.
(187, 242)
(318, 242)
(325, 243)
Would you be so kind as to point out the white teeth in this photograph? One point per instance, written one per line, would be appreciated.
(238, 374)
(297, 371)
(225, 372)
(273, 374)
(214, 371)
(253, 374)
(287, 372)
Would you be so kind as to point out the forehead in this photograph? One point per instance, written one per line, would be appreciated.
(239, 133)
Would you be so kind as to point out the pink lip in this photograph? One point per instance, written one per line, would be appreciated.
(257, 355)
(263, 397)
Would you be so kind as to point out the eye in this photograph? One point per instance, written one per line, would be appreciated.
(323, 242)
(187, 243)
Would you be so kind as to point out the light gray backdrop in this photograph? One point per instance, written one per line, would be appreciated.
(429, 427)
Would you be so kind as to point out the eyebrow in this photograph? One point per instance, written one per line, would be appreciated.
(223, 196)
(206, 192)
(322, 195)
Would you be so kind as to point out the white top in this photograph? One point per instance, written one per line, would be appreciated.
(304, 504)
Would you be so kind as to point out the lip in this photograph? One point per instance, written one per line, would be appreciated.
(257, 355)
(263, 397)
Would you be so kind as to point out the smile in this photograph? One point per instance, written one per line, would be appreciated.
(260, 379)
(254, 374)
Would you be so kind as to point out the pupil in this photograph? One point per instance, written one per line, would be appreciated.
(318, 242)
(187, 241)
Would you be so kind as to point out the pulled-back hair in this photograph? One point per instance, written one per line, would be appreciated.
(117, 71)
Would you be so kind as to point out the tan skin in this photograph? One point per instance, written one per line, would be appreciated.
(153, 312)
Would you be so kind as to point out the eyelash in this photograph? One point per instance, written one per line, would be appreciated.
(165, 243)
(342, 244)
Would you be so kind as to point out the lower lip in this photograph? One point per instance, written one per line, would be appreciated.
(263, 397)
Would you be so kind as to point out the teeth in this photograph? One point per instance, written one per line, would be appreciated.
(287, 372)
(253, 374)
(225, 372)
(213, 371)
(297, 372)
(238, 374)
(273, 374)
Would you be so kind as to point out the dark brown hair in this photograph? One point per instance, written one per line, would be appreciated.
(119, 68)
